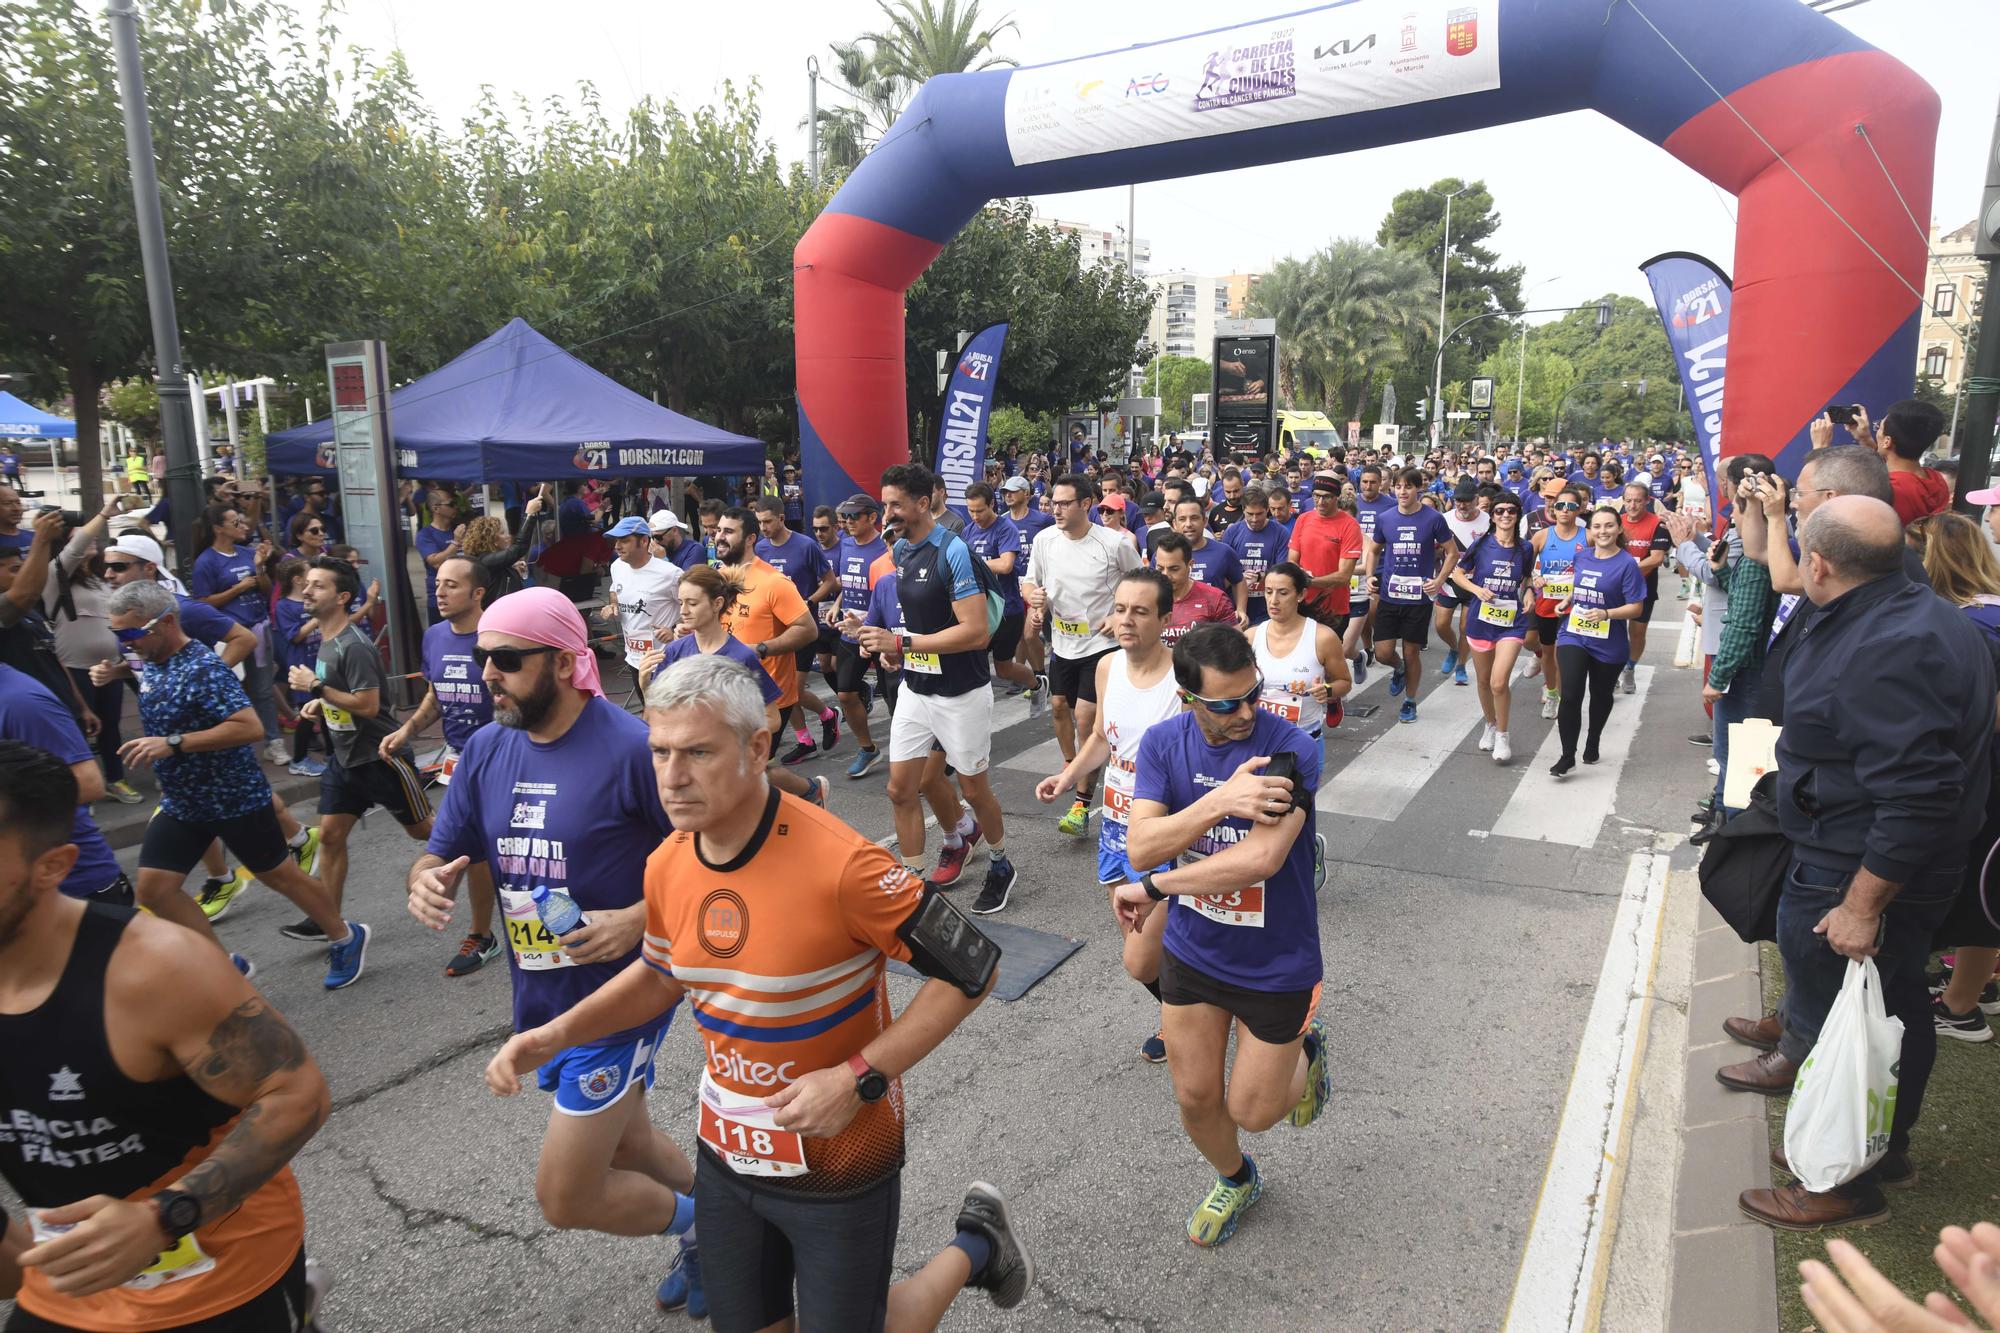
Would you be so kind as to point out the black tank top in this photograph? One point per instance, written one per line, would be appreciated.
(71, 1124)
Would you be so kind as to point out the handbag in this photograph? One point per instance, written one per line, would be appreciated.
(1743, 867)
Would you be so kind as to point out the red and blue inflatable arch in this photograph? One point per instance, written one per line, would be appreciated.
(1818, 317)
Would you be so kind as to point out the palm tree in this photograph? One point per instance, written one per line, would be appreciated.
(1344, 315)
(923, 40)
(876, 97)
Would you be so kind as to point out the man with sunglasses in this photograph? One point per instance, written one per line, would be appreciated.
(199, 732)
(562, 793)
(1241, 947)
(854, 560)
(1413, 551)
(349, 690)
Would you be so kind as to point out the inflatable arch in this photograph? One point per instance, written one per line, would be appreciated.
(1825, 287)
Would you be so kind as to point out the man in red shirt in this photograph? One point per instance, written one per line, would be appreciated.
(1194, 602)
(1910, 427)
(1326, 543)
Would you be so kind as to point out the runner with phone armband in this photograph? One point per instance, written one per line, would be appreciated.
(800, 1115)
(1135, 690)
(1226, 790)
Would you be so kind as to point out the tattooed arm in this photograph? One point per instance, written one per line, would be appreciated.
(226, 1038)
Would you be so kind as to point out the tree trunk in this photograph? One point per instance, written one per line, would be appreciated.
(1361, 399)
(84, 385)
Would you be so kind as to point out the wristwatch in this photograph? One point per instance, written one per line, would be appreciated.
(904, 639)
(1146, 883)
(174, 742)
(870, 1084)
(179, 1213)
(763, 649)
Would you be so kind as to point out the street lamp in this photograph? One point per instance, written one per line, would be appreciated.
(1521, 370)
(1444, 279)
(1603, 309)
(1629, 382)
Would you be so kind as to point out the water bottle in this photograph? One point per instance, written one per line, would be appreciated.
(558, 911)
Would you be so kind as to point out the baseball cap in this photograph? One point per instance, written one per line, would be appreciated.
(1989, 496)
(858, 502)
(1200, 485)
(1014, 484)
(664, 520)
(137, 544)
(629, 527)
(1152, 500)
(1467, 489)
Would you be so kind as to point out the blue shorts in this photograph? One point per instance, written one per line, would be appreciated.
(587, 1079)
(1113, 866)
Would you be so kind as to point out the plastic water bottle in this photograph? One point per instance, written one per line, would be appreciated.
(558, 911)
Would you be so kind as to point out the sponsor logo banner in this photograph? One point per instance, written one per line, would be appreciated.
(1693, 299)
(966, 412)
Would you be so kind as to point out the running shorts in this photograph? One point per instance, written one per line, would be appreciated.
(959, 724)
(1406, 622)
(587, 1079)
(1075, 678)
(850, 667)
(759, 1243)
(1338, 623)
(1272, 1017)
(393, 784)
(177, 845)
(1007, 639)
(1546, 628)
(1113, 865)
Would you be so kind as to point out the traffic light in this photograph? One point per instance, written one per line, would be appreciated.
(1986, 245)
(1423, 409)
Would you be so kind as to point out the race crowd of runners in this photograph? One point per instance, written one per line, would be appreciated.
(1189, 629)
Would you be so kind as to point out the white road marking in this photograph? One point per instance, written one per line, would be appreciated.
(1381, 781)
(1564, 1263)
(1572, 810)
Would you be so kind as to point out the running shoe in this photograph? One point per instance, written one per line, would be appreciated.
(344, 961)
(319, 1286)
(1153, 1050)
(307, 767)
(1628, 679)
(124, 792)
(1968, 1026)
(305, 928)
(1395, 681)
(1214, 1220)
(1459, 677)
(1450, 663)
(951, 860)
(1009, 1270)
(820, 790)
(1319, 1080)
(798, 754)
(277, 750)
(999, 883)
(867, 698)
(1076, 821)
(1561, 767)
(829, 730)
(1590, 754)
(1360, 670)
(1408, 712)
(243, 965)
(1038, 697)
(681, 1289)
(1714, 769)
(307, 852)
(1534, 667)
(474, 952)
(219, 895)
(1552, 701)
(1989, 998)
(1503, 748)
(864, 763)
(1702, 738)
(1319, 863)
(1486, 737)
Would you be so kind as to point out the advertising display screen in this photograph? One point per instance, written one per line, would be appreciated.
(1243, 369)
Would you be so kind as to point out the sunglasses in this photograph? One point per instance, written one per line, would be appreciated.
(1565, 504)
(120, 567)
(1224, 707)
(132, 636)
(509, 660)
(314, 532)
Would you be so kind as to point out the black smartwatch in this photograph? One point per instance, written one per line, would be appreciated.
(1146, 883)
(870, 1084)
(175, 741)
(179, 1213)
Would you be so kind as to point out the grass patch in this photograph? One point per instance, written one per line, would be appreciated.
(1956, 1149)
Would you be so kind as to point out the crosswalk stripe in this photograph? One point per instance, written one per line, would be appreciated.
(1381, 781)
(1572, 810)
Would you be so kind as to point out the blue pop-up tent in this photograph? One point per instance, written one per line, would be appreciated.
(20, 421)
(516, 407)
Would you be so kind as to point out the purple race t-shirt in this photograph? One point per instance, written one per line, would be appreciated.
(29, 713)
(736, 651)
(463, 702)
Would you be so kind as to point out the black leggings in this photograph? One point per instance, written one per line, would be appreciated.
(1578, 666)
(108, 702)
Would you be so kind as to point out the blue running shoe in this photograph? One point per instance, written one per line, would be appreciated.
(1450, 664)
(1153, 1050)
(1214, 1220)
(344, 961)
(1460, 678)
(243, 965)
(1408, 712)
(1395, 681)
(681, 1287)
(865, 762)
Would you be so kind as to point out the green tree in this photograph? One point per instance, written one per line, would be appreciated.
(1479, 283)
(1011, 428)
(1607, 365)
(1345, 316)
(1175, 380)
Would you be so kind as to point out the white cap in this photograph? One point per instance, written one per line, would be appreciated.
(1200, 485)
(664, 519)
(140, 545)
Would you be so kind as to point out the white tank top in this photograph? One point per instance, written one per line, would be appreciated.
(1127, 711)
(1288, 680)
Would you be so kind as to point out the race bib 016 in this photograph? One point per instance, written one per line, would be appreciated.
(1283, 705)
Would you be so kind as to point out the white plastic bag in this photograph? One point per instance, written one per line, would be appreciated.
(1837, 1123)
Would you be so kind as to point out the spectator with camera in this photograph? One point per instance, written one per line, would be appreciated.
(1911, 427)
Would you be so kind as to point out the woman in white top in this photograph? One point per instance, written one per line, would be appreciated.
(1305, 672)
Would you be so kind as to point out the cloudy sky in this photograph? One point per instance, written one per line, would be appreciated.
(1583, 201)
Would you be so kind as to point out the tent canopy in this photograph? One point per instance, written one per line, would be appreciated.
(19, 421)
(516, 407)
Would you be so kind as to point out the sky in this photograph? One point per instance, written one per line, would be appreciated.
(1582, 200)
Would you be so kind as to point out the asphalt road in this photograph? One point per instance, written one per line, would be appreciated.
(1461, 953)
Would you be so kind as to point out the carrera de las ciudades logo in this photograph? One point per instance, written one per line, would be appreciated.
(1242, 75)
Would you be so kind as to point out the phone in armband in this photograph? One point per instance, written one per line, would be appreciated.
(944, 943)
(1285, 765)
